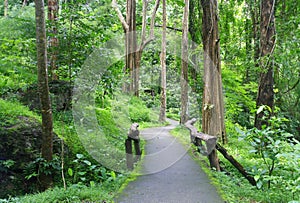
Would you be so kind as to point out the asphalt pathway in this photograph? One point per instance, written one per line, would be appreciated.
(168, 173)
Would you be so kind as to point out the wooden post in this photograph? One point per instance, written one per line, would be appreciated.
(133, 135)
(129, 156)
(137, 149)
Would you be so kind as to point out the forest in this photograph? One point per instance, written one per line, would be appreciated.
(75, 75)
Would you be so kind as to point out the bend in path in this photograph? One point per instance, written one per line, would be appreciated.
(169, 174)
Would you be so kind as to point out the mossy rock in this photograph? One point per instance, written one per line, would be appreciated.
(20, 143)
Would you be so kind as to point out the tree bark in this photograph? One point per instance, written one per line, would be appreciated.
(43, 89)
(265, 94)
(213, 107)
(133, 53)
(195, 33)
(53, 41)
(255, 30)
(163, 100)
(131, 45)
(5, 7)
(184, 65)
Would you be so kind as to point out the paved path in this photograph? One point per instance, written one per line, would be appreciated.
(169, 174)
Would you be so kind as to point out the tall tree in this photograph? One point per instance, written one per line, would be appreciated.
(163, 103)
(5, 7)
(43, 89)
(213, 106)
(265, 94)
(134, 52)
(53, 41)
(195, 33)
(184, 65)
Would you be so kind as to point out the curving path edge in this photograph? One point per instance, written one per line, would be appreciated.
(169, 174)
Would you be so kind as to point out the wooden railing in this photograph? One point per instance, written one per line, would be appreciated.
(211, 144)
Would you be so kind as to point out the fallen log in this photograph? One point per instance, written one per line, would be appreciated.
(236, 164)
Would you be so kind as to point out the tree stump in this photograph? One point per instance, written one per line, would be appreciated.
(133, 135)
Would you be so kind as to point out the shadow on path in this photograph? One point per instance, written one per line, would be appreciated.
(169, 174)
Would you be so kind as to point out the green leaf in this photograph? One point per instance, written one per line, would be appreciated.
(260, 109)
(92, 183)
(256, 177)
(82, 173)
(87, 162)
(259, 184)
(178, 2)
(79, 156)
(70, 172)
(113, 175)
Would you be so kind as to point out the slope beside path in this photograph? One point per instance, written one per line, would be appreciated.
(169, 174)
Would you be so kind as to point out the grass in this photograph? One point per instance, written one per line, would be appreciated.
(75, 193)
(11, 110)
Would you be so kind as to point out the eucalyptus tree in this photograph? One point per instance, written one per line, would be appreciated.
(5, 8)
(265, 94)
(43, 89)
(213, 105)
(184, 65)
(134, 52)
(53, 41)
(163, 99)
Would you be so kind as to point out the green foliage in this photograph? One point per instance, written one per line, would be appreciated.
(10, 110)
(17, 50)
(74, 194)
(19, 25)
(138, 111)
(239, 100)
(81, 28)
(40, 165)
(85, 172)
(274, 158)
(5, 165)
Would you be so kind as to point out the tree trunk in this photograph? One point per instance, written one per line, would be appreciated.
(255, 28)
(163, 100)
(133, 52)
(131, 46)
(43, 89)
(195, 32)
(53, 41)
(184, 65)
(213, 107)
(265, 94)
(5, 7)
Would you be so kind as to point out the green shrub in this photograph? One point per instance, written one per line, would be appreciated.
(74, 194)
(138, 112)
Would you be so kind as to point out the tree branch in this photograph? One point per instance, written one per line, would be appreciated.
(168, 27)
(120, 16)
(151, 37)
(293, 87)
(144, 23)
